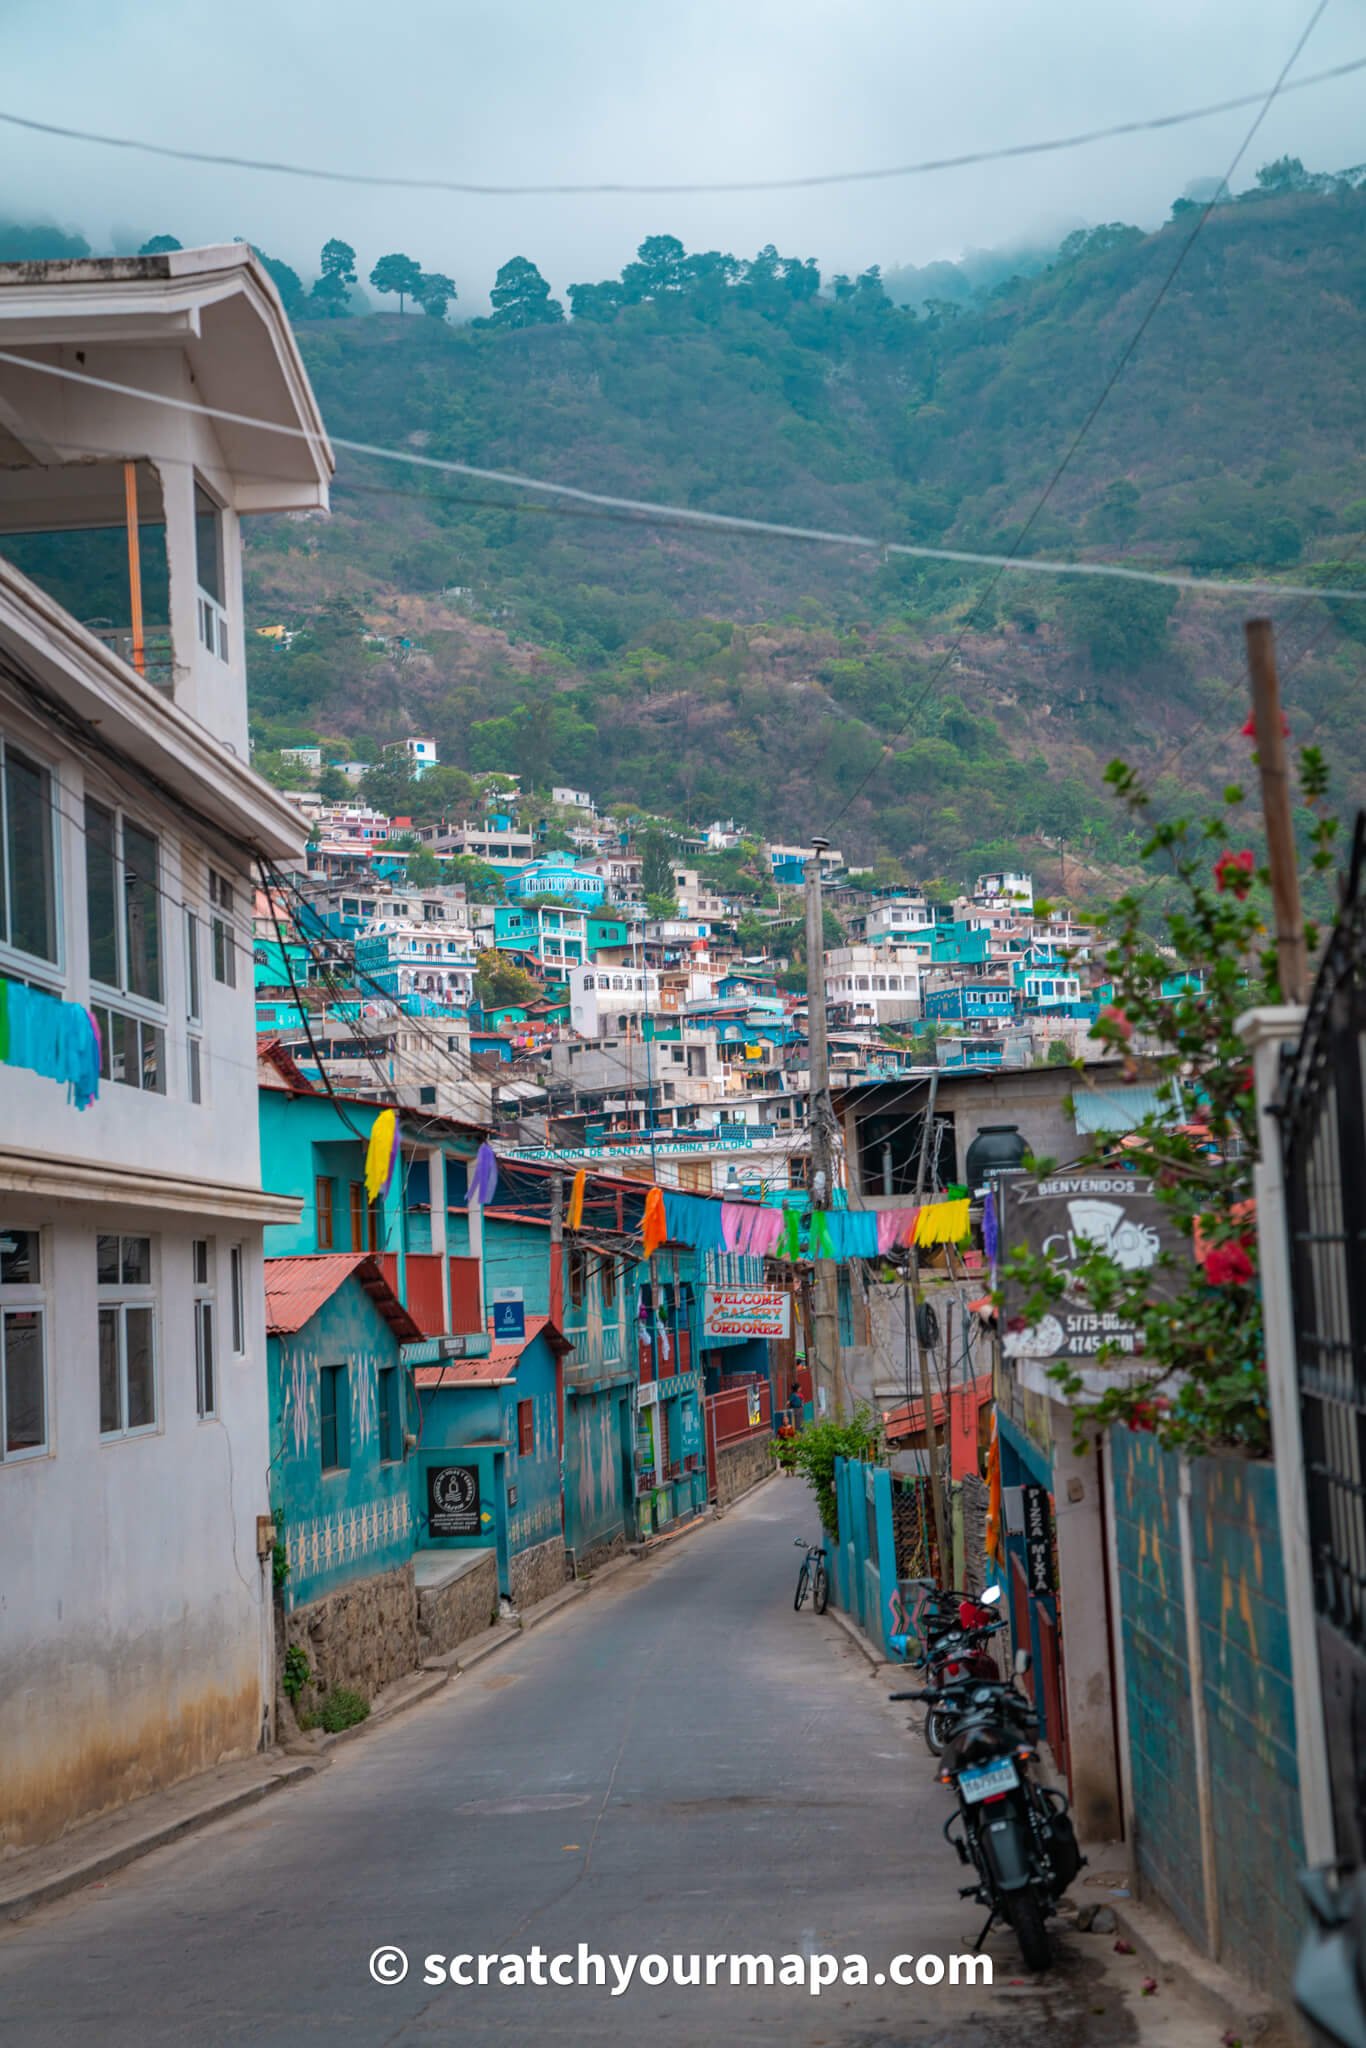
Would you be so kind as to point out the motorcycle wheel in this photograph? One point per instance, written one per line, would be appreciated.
(1026, 1916)
(934, 1732)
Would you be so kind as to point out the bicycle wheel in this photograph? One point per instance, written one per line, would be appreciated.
(803, 1582)
(820, 1596)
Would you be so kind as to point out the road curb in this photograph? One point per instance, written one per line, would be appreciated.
(1236, 2009)
(14, 1905)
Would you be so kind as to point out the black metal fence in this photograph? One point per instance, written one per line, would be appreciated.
(1323, 1132)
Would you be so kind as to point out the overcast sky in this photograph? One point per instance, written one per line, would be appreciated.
(656, 90)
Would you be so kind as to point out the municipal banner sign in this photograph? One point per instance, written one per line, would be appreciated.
(1061, 1218)
(746, 1312)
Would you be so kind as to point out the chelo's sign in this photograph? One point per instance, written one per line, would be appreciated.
(1061, 1219)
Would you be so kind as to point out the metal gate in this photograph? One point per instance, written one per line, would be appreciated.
(1323, 1133)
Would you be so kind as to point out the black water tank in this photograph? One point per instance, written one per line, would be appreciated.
(995, 1147)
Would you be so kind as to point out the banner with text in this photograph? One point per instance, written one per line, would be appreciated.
(746, 1312)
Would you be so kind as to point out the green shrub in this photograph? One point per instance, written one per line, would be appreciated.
(296, 1674)
(341, 1708)
(815, 1449)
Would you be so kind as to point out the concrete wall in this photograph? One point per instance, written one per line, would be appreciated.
(134, 1613)
(1207, 1671)
(355, 1522)
(597, 1512)
(740, 1466)
(362, 1635)
(457, 1604)
(536, 1574)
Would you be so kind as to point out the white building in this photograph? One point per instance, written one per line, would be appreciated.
(136, 1636)
(602, 997)
(1004, 887)
(501, 845)
(406, 957)
(421, 754)
(573, 799)
(875, 984)
(894, 920)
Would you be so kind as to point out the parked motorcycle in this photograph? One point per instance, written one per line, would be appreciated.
(1016, 1833)
(956, 1660)
(1330, 1975)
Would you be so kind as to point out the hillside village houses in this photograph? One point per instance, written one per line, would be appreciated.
(178, 1320)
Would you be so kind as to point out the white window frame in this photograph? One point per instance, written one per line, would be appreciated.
(33, 966)
(25, 1298)
(119, 1297)
(194, 1007)
(209, 610)
(203, 1261)
(111, 999)
(222, 929)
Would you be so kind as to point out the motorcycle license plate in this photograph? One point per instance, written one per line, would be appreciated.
(986, 1780)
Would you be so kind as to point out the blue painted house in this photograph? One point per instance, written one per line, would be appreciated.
(339, 1422)
(488, 1471)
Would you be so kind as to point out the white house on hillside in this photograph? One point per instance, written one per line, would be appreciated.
(135, 1621)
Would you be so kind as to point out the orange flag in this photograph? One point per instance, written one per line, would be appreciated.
(575, 1216)
(654, 1229)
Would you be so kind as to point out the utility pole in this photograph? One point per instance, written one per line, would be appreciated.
(826, 1373)
(1292, 956)
(941, 1526)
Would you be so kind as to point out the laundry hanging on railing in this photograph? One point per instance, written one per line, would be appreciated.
(50, 1037)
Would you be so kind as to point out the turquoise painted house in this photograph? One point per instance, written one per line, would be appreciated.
(339, 1421)
(488, 1471)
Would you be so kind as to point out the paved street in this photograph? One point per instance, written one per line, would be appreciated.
(678, 1763)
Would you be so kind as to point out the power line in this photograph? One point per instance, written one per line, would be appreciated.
(733, 522)
(1010, 560)
(1002, 153)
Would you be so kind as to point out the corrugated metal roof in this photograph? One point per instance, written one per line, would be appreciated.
(298, 1284)
(494, 1371)
(1123, 1109)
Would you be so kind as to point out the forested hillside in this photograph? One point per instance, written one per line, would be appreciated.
(764, 678)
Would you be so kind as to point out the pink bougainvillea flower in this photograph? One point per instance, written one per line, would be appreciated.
(1228, 1265)
(1116, 1021)
(1234, 872)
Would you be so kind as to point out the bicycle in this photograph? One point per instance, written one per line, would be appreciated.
(813, 1577)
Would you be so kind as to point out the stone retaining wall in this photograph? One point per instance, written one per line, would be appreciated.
(450, 1614)
(535, 1574)
(363, 1635)
(590, 1561)
(740, 1466)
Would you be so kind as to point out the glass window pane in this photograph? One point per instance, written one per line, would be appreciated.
(196, 1080)
(142, 1408)
(192, 965)
(137, 1261)
(25, 1423)
(122, 1042)
(19, 1258)
(204, 1335)
(142, 912)
(199, 1258)
(208, 544)
(238, 1305)
(28, 853)
(111, 1403)
(107, 1261)
(153, 1059)
(101, 891)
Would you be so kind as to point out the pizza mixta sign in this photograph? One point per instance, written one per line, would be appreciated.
(1064, 1218)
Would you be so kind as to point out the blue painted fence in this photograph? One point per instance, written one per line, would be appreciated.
(863, 1555)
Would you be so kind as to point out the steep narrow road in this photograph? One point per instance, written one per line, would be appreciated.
(679, 1764)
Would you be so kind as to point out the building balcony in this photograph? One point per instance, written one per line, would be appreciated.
(157, 663)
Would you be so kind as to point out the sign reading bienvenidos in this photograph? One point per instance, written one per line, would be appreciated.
(1063, 1217)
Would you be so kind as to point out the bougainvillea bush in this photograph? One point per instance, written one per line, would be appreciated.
(1177, 994)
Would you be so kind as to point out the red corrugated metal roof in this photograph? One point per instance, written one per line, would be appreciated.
(909, 1418)
(298, 1285)
(494, 1371)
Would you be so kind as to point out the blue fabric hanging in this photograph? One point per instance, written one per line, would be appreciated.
(56, 1039)
(694, 1220)
(852, 1233)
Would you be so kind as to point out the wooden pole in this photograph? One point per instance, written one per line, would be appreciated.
(1292, 956)
(130, 507)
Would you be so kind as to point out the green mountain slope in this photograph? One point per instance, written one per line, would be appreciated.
(802, 686)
